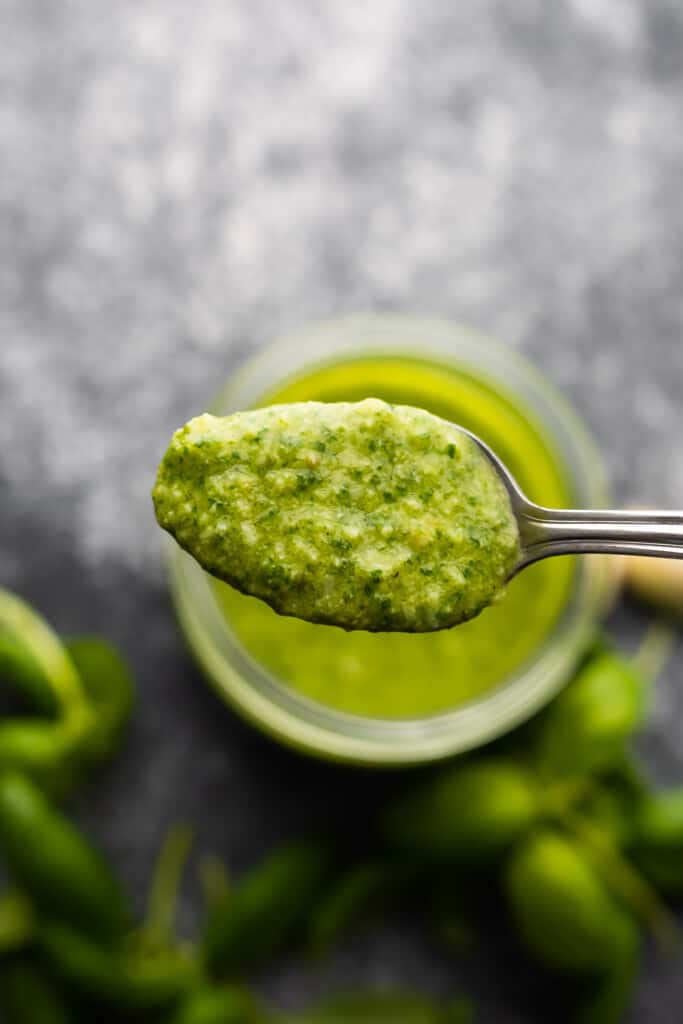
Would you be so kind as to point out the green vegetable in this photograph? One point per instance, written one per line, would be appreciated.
(33, 658)
(45, 751)
(625, 883)
(609, 802)
(17, 922)
(19, 667)
(469, 812)
(361, 891)
(117, 978)
(562, 908)
(386, 1008)
(586, 727)
(54, 753)
(610, 811)
(576, 888)
(47, 856)
(158, 928)
(19, 620)
(27, 997)
(109, 689)
(220, 1006)
(257, 918)
(605, 1000)
(656, 840)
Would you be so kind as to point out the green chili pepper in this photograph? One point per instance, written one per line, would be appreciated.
(220, 1006)
(50, 859)
(53, 753)
(45, 751)
(32, 633)
(17, 922)
(608, 813)
(27, 997)
(109, 689)
(386, 1008)
(36, 661)
(117, 978)
(606, 1000)
(586, 727)
(468, 812)
(611, 802)
(20, 668)
(656, 840)
(158, 929)
(563, 910)
(257, 917)
(351, 897)
(626, 884)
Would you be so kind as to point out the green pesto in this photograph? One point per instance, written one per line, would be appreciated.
(399, 675)
(362, 515)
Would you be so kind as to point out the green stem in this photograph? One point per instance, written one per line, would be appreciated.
(625, 882)
(215, 879)
(654, 651)
(158, 928)
(563, 794)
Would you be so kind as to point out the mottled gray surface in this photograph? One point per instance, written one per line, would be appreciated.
(180, 182)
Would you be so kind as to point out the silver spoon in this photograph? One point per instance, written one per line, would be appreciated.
(548, 531)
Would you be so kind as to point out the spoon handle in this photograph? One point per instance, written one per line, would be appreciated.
(547, 532)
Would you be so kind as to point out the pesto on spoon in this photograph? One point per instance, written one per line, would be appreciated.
(360, 515)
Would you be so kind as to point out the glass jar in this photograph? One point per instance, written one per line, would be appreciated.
(495, 376)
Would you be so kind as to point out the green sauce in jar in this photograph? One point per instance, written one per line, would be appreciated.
(406, 675)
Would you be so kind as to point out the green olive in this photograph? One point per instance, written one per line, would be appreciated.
(470, 811)
(586, 727)
(562, 909)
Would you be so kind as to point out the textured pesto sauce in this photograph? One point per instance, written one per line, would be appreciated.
(362, 515)
(396, 675)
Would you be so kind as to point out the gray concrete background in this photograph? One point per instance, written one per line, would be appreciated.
(180, 183)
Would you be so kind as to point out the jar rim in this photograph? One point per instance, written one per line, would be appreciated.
(296, 719)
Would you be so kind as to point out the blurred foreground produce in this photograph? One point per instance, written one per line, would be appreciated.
(386, 1008)
(26, 994)
(657, 582)
(556, 818)
(470, 812)
(58, 870)
(259, 917)
(656, 840)
(586, 727)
